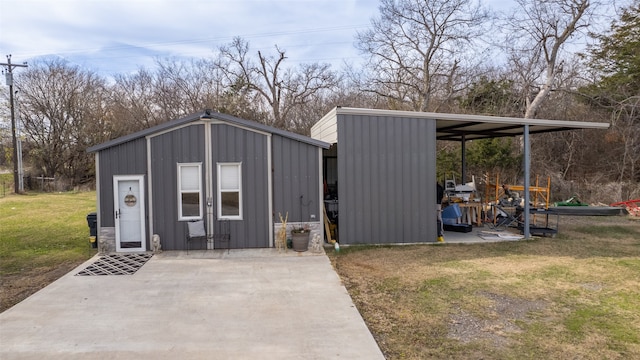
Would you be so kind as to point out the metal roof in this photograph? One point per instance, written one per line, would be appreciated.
(208, 114)
(458, 127)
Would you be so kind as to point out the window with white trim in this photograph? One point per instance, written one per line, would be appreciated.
(230, 191)
(189, 191)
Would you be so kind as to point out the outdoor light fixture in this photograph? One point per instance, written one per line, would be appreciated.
(207, 114)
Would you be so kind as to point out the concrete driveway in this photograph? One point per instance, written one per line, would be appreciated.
(248, 304)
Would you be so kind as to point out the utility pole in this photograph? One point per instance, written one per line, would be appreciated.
(9, 79)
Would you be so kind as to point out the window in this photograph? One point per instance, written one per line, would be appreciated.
(230, 191)
(189, 191)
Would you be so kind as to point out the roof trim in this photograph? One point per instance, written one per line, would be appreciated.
(473, 118)
(207, 114)
(459, 127)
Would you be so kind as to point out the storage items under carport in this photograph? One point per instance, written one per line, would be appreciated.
(451, 216)
(331, 219)
(92, 221)
(542, 225)
(503, 208)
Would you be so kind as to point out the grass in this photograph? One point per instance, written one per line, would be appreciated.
(43, 229)
(41, 233)
(573, 296)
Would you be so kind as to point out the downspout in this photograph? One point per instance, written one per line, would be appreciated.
(208, 180)
(270, 214)
(321, 211)
(98, 207)
(149, 190)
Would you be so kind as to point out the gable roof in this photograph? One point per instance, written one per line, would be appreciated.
(207, 114)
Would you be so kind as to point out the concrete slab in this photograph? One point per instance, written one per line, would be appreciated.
(206, 305)
(478, 236)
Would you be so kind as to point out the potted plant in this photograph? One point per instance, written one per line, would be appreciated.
(300, 238)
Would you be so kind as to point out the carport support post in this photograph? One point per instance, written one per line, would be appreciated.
(527, 170)
(464, 160)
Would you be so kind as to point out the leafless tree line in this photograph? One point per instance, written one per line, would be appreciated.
(422, 55)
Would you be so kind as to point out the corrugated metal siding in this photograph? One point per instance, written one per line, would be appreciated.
(295, 174)
(129, 158)
(233, 144)
(181, 145)
(386, 179)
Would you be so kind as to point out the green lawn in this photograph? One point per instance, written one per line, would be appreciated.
(42, 230)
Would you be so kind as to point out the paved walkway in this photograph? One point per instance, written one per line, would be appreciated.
(248, 304)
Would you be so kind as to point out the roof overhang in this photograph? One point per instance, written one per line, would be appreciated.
(459, 127)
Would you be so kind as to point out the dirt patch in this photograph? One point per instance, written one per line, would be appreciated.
(504, 314)
(17, 287)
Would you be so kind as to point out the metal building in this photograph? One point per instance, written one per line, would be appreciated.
(206, 166)
(381, 168)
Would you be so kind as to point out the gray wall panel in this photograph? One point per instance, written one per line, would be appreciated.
(386, 182)
(129, 158)
(295, 174)
(233, 144)
(181, 145)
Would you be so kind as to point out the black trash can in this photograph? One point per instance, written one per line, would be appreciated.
(92, 221)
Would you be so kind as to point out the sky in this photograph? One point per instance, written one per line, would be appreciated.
(120, 36)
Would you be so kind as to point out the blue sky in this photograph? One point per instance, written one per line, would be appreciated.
(117, 36)
(120, 36)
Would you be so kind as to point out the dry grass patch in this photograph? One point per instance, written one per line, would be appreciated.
(573, 296)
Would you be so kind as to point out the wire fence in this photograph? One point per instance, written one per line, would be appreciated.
(36, 183)
(4, 189)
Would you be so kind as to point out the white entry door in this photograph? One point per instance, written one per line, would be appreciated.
(129, 213)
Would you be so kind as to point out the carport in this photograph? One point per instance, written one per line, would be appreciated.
(474, 127)
(407, 160)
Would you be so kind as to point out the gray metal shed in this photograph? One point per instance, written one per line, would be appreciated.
(206, 166)
(381, 166)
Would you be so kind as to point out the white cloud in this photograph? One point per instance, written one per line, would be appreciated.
(131, 32)
(121, 35)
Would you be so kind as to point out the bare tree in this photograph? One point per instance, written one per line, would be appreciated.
(133, 105)
(537, 33)
(63, 110)
(186, 86)
(417, 49)
(282, 89)
(175, 88)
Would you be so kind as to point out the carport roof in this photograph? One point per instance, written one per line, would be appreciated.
(458, 127)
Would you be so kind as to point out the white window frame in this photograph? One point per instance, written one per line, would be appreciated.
(238, 165)
(180, 191)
